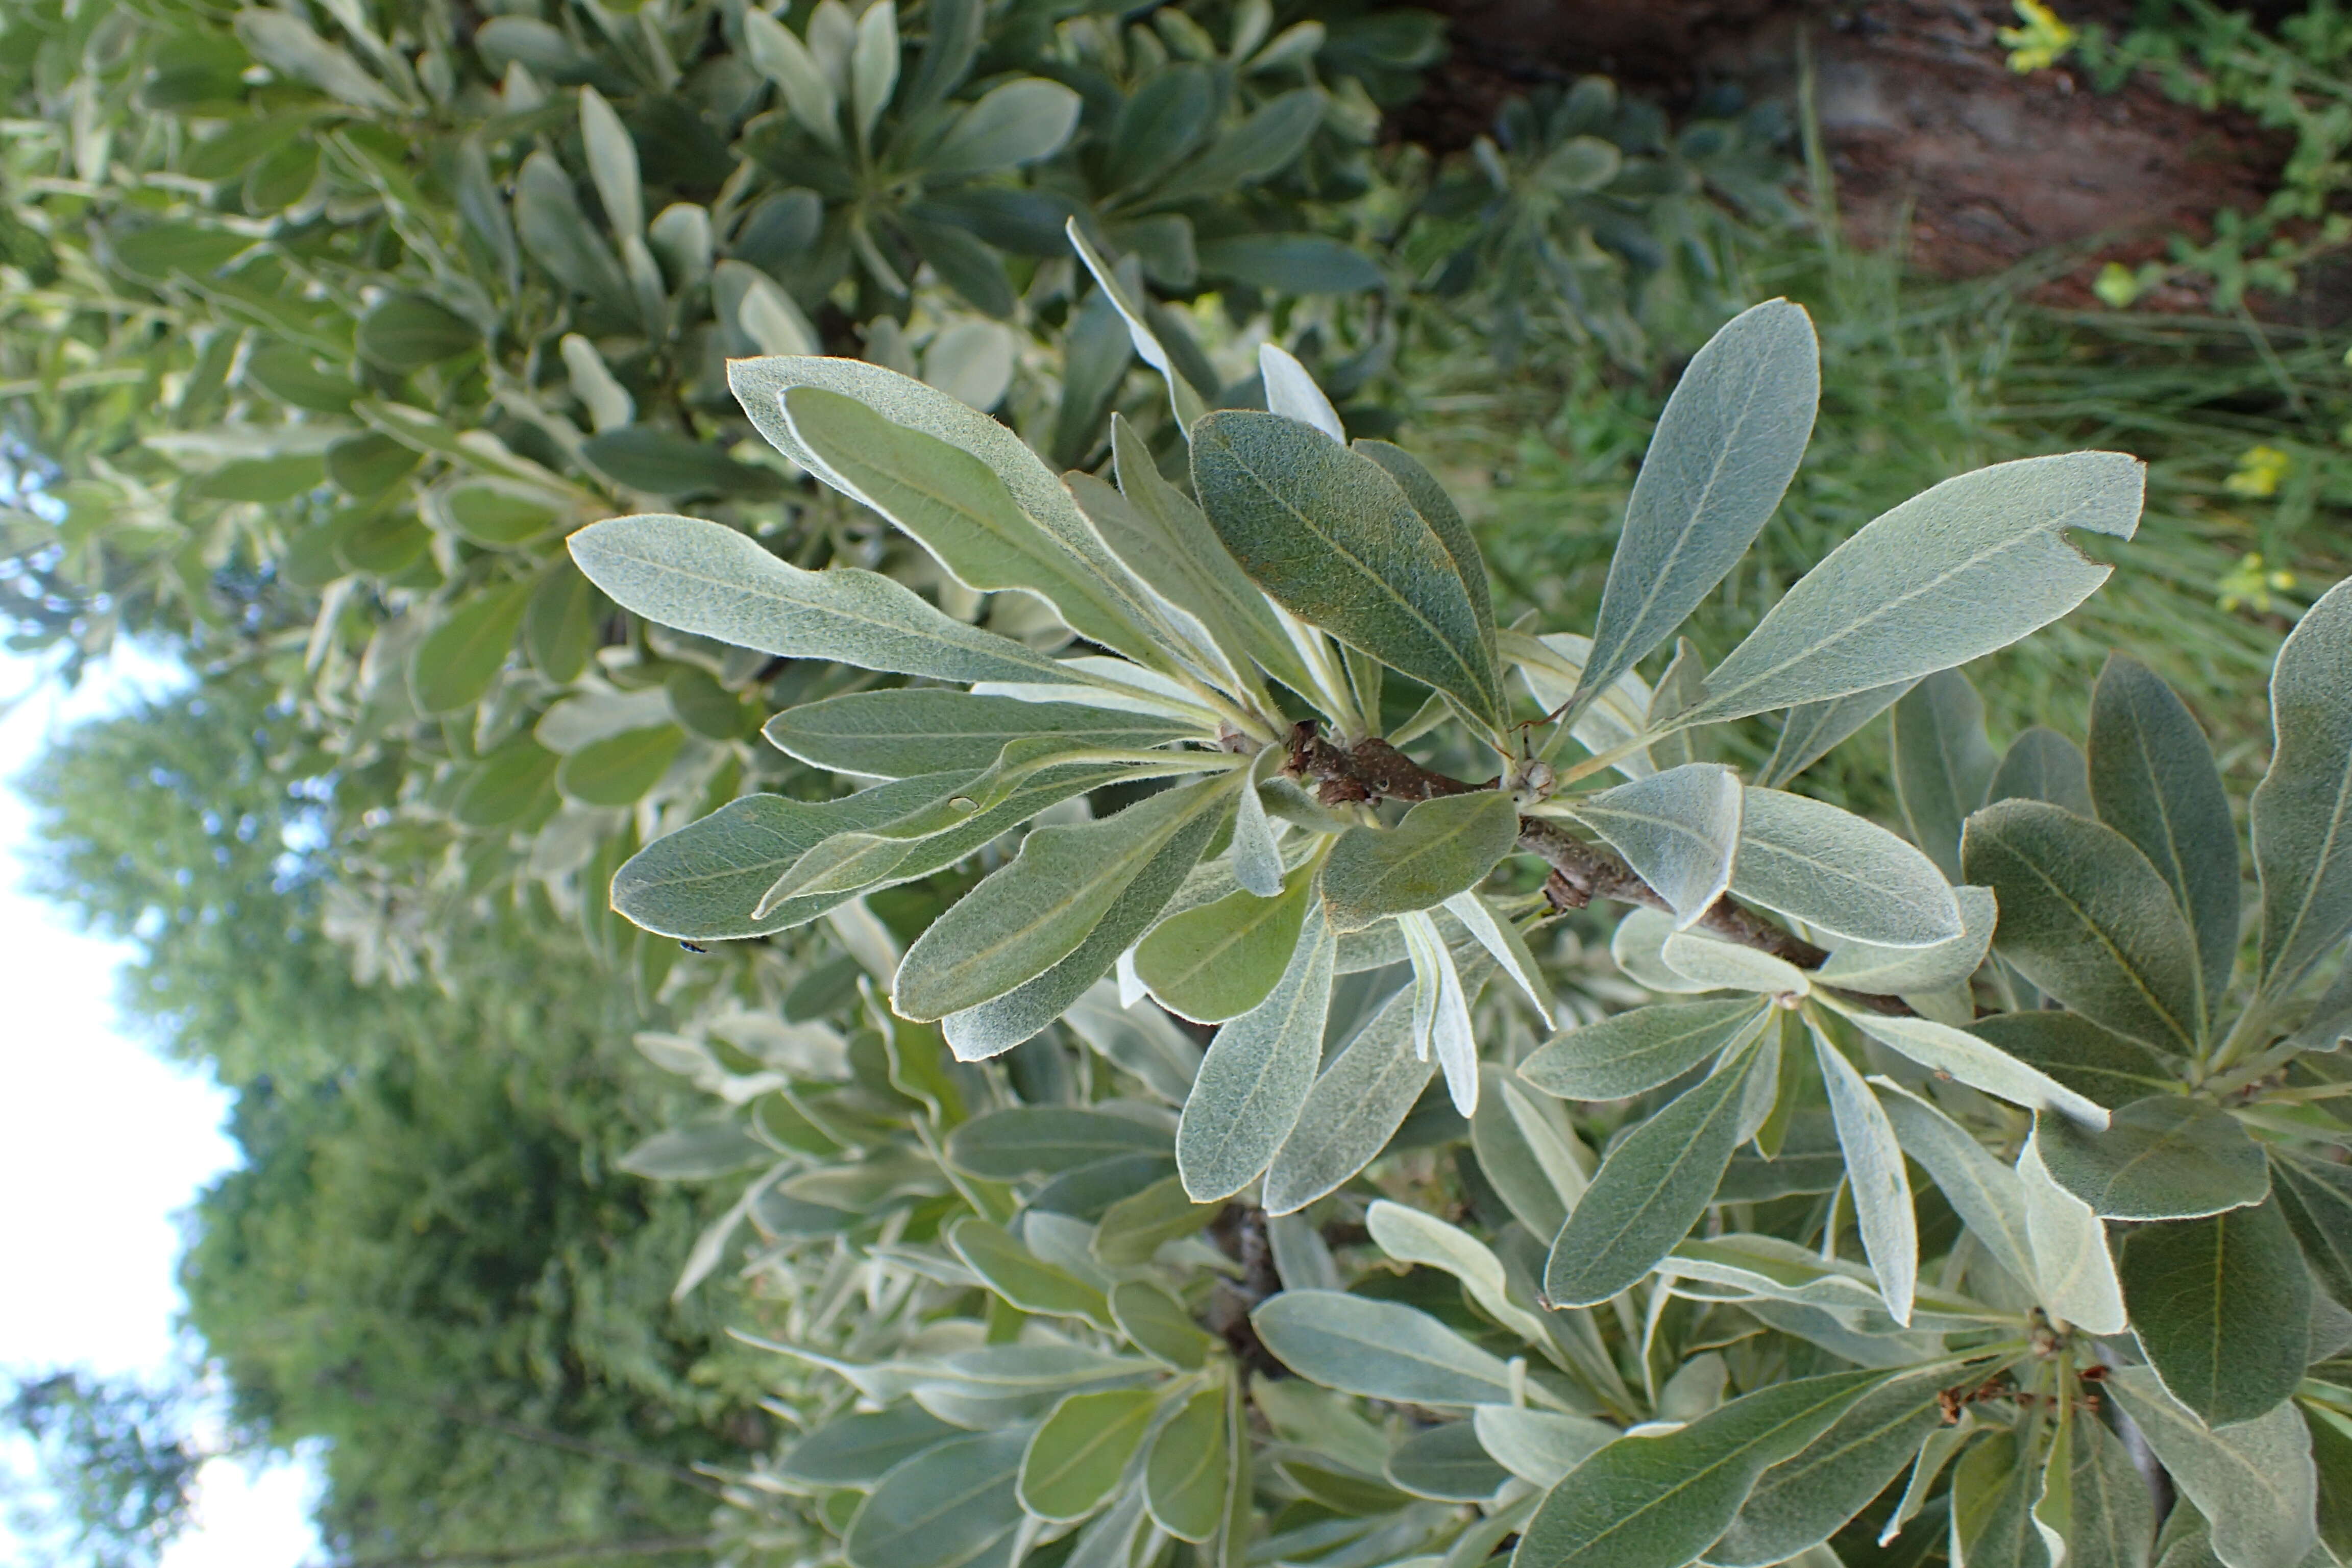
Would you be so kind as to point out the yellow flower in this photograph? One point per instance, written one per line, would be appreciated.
(2041, 43)
(2248, 586)
(2260, 469)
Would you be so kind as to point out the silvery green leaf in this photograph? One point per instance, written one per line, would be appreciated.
(2255, 1482)
(2099, 1064)
(2113, 1516)
(786, 61)
(1744, 1266)
(1222, 959)
(1722, 965)
(1905, 970)
(2328, 1024)
(2223, 1307)
(1680, 686)
(1651, 1189)
(1528, 1153)
(287, 44)
(2164, 1157)
(1045, 1140)
(1805, 1499)
(1257, 859)
(1291, 392)
(612, 163)
(1659, 1502)
(1021, 1277)
(2073, 1270)
(1678, 829)
(1982, 1191)
(1441, 1011)
(2315, 1196)
(1637, 947)
(953, 503)
(2084, 917)
(1184, 1473)
(1115, 683)
(1003, 1022)
(1139, 1039)
(1971, 565)
(1380, 1349)
(706, 579)
(1411, 1237)
(1016, 123)
(1551, 664)
(762, 312)
(1334, 539)
(1631, 1052)
(1442, 847)
(2043, 764)
(1943, 763)
(874, 66)
(1353, 1109)
(1255, 1078)
(1155, 528)
(1446, 1464)
(1839, 873)
(1437, 510)
(1030, 914)
(1182, 398)
(1302, 1259)
(593, 383)
(1934, 1453)
(2302, 809)
(1993, 1492)
(1811, 730)
(958, 1501)
(858, 1450)
(1876, 1178)
(1077, 1456)
(921, 730)
(1539, 1447)
(1726, 447)
(1939, 1047)
(1507, 947)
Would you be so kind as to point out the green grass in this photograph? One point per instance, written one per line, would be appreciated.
(1920, 382)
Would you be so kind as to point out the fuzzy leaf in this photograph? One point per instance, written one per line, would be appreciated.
(1255, 1078)
(2302, 809)
(1442, 847)
(2164, 1157)
(1678, 829)
(2223, 1307)
(1840, 874)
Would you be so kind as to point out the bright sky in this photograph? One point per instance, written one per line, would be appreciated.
(102, 1144)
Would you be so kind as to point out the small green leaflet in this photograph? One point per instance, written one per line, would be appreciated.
(1220, 960)
(1724, 452)
(2043, 764)
(1256, 1076)
(706, 579)
(1333, 538)
(1022, 1277)
(1840, 874)
(1964, 568)
(2223, 1307)
(1044, 1139)
(1352, 1110)
(1902, 971)
(1876, 1178)
(1442, 847)
(1184, 1474)
(1379, 1349)
(2302, 809)
(1943, 763)
(1679, 830)
(2166, 1157)
(1080, 1452)
(956, 1503)
(1634, 1052)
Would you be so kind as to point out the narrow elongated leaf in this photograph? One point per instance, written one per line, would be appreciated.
(1993, 1494)
(1017, 123)
(1256, 1076)
(1678, 829)
(2113, 1523)
(1437, 510)
(1333, 538)
(710, 580)
(1651, 1189)
(1184, 1475)
(2255, 1482)
(1658, 1502)
(1806, 1499)
(1446, 1464)
(1981, 1190)
(960, 510)
(858, 1450)
(1724, 452)
(1943, 763)
(2302, 809)
(1080, 1452)
(1904, 971)
(1840, 874)
(1971, 565)
(1508, 948)
(2096, 1063)
(2316, 1197)
(1379, 1349)
(1942, 1048)
(2164, 1157)
(2087, 917)
(1413, 1238)
(454, 664)
(1352, 1110)
(957, 1503)
(1158, 1325)
(2043, 764)
(1032, 913)
(1876, 1178)
(2223, 1307)
(1713, 965)
(1442, 847)
(1022, 1277)
(1291, 392)
(1044, 1139)
(2073, 1270)
(893, 734)
(1810, 732)
(1633, 1053)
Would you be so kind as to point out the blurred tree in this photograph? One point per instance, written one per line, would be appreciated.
(116, 1465)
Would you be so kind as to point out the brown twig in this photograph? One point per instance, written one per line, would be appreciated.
(1581, 871)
